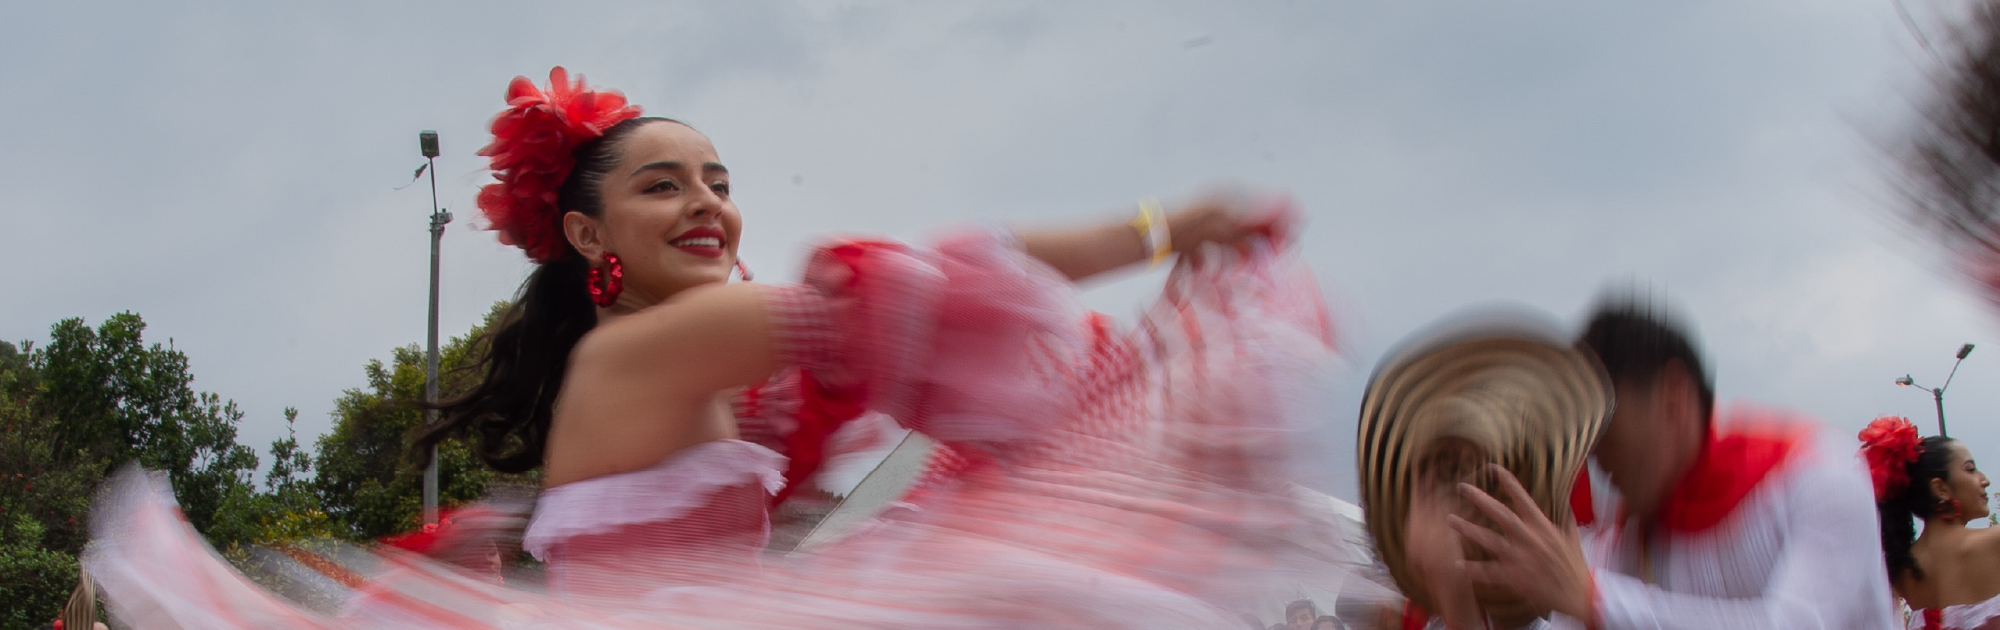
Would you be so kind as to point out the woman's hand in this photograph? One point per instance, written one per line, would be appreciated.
(1226, 218)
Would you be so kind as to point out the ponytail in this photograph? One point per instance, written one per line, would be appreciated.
(527, 353)
(508, 413)
(1898, 512)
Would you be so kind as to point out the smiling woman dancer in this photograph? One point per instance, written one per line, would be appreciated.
(1947, 575)
(627, 343)
(1092, 478)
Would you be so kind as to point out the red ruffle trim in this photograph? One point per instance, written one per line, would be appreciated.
(1730, 467)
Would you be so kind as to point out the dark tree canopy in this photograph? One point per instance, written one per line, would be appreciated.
(1949, 173)
(93, 399)
(88, 401)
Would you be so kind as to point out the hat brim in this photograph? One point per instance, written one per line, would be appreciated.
(1511, 396)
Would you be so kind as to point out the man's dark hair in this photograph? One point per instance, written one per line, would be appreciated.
(1298, 604)
(1634, 339)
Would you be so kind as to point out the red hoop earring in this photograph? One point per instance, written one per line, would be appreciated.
(1949, 509)
(606, 284)
(743, 270)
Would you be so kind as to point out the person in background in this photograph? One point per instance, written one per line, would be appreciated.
(1299, 615)
(1947, 575)
(1328, 622)
(1746, 519)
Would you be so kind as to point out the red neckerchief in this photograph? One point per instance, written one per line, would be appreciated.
(1730, 467)
(1580, 505)
(1414, 616)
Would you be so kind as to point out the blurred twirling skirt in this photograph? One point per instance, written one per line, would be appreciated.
(1158, 500)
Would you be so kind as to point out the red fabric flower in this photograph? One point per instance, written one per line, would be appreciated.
(425, 538)
(1890, 443)
(533, 148)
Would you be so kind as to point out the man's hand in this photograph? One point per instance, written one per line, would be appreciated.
(1437, 558)
(1533, 557)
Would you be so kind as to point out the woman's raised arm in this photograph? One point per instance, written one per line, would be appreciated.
(1081, 253)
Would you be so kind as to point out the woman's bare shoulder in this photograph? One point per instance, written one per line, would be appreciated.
(1984, 541)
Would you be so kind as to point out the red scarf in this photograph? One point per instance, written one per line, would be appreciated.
(1731, 466)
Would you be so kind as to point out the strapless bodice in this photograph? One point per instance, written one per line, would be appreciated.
(696, 517)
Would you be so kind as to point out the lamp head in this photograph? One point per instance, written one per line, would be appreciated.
(428, 140)
(1906, 380)
(1964, 350)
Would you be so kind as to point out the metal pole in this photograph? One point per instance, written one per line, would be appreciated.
(1938, 394)
(438, 220)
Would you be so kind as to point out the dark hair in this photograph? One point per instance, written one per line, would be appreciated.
(1298, 604)
(1898, 513)
(508, 412)
(1634, 340)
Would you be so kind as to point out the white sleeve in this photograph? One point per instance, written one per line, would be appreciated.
(1830, 575)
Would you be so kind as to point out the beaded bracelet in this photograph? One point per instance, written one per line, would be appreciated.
(1152, 226)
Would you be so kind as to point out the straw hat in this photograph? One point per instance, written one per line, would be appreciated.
(1435, 414)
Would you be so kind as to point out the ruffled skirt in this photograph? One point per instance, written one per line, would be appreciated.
(1162, 505)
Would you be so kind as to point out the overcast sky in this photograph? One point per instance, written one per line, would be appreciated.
(229, 170)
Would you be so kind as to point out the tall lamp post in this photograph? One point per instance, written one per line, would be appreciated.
(428, 140)
(1937, 394)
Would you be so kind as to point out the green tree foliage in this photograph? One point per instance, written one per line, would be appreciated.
(93, 399)
(366, 480)
(40, 506)
(118, 400)
(34, 582)
(90, 400)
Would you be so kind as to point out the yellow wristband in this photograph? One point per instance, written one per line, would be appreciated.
(1152, 227)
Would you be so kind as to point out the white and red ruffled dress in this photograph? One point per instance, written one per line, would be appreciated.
(1983, 615)
(1088, 477)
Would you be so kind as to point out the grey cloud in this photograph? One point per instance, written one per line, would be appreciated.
(229, 170)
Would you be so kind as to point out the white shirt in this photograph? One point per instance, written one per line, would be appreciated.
(1802, 551)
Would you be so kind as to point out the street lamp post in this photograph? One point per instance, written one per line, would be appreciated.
(1937, 394)
(428, 140)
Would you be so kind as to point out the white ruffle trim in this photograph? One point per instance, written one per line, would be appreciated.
(663, 492)
(1976, 616)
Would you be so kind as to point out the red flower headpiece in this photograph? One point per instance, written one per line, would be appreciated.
(1890, 444)
(533, 149)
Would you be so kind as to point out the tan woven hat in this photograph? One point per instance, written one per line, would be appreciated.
(1515, 394)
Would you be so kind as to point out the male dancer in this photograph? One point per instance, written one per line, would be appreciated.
(1742, 521)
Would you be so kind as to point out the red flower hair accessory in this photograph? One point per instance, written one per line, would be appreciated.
(1890, 444)
(533, 149)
